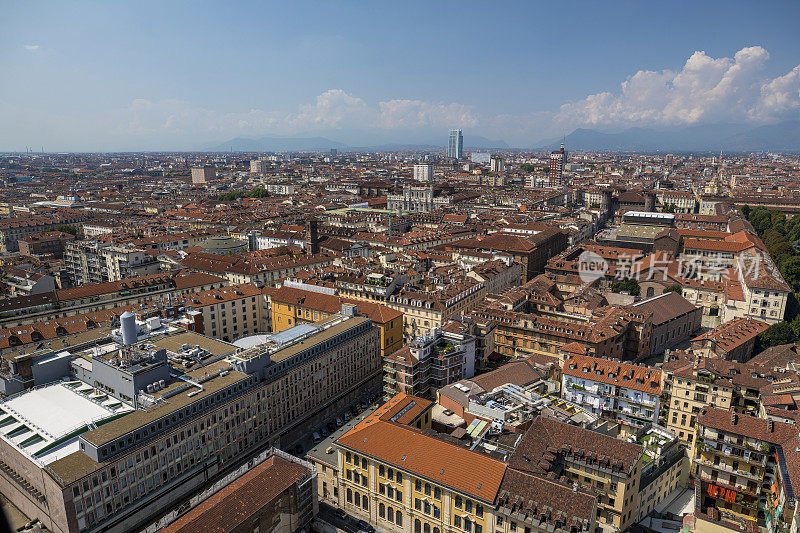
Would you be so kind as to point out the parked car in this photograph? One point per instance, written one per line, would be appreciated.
(341, 514)
(317, 438)
(347, 417)
(365, 526)
(339, 422)
(324, 431)
(331, 427)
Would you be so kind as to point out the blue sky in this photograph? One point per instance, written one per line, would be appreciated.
(183, 75)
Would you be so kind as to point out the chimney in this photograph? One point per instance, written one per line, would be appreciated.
(770, 426)
(734, 418)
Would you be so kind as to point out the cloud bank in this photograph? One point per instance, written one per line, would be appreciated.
(705, 90)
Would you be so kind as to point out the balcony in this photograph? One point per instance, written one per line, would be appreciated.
(729, 469)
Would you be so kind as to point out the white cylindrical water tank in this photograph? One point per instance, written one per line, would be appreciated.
(127, 327)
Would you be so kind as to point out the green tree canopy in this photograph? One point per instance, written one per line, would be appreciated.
(790, 270)
(777, 334)
(631, 286)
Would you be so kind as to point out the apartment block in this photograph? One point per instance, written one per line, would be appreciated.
(397, 475)
(621, 392)
(692, 382)
(735, 457)
(50, 243)
(611, 467)
(291, 306)
(228, 313)
(430, 362)
(112, 463)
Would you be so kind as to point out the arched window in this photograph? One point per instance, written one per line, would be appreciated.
(381, 510)
(390, 514)
(398, 518)
(426, 528)
(358, 499)
(417, 526)
(650, 292)
(349, 496)
(436, 530)
(365, 503)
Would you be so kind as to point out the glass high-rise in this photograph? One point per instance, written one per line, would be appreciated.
(455, 145)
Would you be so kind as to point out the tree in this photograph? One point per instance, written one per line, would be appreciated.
(66, 228)
(674, 288)
(631, 286)
(669, 208)
(776, 335)
(790, 270)
(746, 211)
(761, 219)
(772, 236)
(796, 326)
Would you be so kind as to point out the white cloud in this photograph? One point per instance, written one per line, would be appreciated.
(31, 47)
(334, 109)
(705, 90)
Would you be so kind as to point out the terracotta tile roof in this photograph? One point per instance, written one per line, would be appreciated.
(665, 307)
(522, 373)
(547, 439)
(641, 378)
(555, 501)
(748, 426)
(328, 303)
(409, 449)
(236, 504)
(732, 334)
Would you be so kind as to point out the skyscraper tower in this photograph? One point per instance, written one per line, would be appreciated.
(455, 145)
(558, 159)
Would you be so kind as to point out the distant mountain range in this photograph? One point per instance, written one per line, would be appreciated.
(323, 144)
(780, 137)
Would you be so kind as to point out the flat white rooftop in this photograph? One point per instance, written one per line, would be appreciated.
(45, 422)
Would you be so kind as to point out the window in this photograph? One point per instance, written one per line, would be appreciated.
(458, 502)
(457, 521)
(437, 493)
(381, 471)
(398, 518)
(418, 486)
